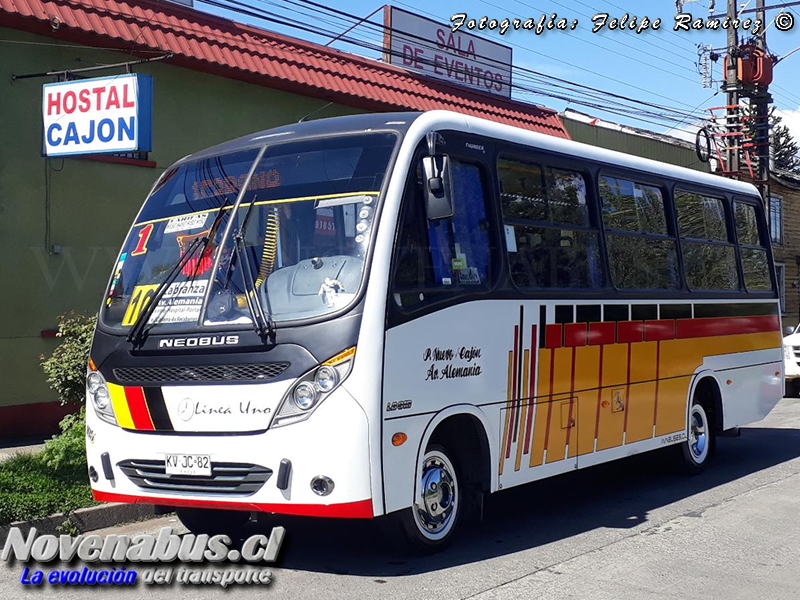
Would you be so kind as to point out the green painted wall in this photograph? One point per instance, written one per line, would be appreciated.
(92, 204)
(634, 144)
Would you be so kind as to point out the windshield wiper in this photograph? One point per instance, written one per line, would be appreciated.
(261, 319)
(137, 332)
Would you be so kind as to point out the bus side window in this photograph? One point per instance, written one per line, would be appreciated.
(752, 250)
(641, 252)
(709, 256)
(445, 256)
(550, 240)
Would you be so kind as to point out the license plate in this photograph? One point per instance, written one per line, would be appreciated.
(188, 464)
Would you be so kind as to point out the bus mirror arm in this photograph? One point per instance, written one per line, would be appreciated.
(438, 187)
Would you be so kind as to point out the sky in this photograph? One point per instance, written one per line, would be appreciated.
(653, 66)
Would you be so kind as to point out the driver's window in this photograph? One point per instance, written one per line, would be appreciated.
(550, 239)
(446, 257)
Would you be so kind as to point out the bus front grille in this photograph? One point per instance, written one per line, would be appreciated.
(233, 479)
(204, 373)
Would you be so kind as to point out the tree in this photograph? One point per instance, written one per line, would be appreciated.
(785, 150)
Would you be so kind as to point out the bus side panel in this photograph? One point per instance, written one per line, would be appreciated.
(457, 356)
(642, 396)
(751, 384)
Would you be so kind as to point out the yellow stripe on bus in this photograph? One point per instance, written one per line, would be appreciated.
(120, 404)
(262, 203)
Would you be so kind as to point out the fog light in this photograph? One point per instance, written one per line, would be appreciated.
(321, 485)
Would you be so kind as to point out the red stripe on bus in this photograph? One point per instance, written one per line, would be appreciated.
(601, 333)
(360, 509)
(512, 419)
(655, 331)
(138, 407)
(711, 326)
(552, 336)
(630, 331)
(575, 334)
(531, 389)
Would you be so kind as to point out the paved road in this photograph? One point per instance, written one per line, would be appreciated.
(628, 530)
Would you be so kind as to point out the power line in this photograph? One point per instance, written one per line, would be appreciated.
(516, 68)
(642, 113)
(596, 45)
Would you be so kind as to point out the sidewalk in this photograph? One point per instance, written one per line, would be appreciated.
(9, 448)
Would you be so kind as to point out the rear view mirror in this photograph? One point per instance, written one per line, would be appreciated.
(438, 187)
(788, 330)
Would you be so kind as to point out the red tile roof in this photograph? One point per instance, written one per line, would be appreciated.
(209, 43)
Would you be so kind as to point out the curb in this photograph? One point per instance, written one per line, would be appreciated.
(84, 519)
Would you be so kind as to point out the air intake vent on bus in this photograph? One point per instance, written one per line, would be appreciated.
(199, 373)
(226, 478)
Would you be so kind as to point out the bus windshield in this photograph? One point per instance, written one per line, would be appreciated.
(296, 244)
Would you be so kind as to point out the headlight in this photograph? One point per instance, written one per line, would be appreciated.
(305, 396)
(101, 398)
(94, 381)
(97, 392)
(326, 378)
(312, 388)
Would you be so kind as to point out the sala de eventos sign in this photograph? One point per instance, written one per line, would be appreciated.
(101, 115)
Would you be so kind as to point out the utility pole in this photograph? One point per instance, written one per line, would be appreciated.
(760, 102)
(732, 89)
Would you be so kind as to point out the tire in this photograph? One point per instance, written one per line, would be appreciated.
(429, 524)
(702, 145)
(214, 522)
(696, 452)
(792, 388)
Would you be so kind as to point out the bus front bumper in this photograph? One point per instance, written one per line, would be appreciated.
(332, 443)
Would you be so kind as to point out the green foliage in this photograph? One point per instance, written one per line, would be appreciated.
(66, 367)
(30, 489)
(55, 479)
(66, 453)
(784, 150)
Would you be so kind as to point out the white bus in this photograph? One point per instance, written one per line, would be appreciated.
(393, 314)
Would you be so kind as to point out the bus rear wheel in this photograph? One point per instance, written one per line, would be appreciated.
(428, 526)
(214, 521)
(697, 450)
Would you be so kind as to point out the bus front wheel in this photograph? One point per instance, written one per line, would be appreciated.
(429, 524)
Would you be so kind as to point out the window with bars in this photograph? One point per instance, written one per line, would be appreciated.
(776, 220)
(780, 277)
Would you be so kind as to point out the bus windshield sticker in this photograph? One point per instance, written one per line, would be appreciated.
(511, 238)
(469, 276)
(186, 222)
(180, 303)
(115, 279)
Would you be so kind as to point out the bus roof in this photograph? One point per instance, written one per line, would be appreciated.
(417, 124)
